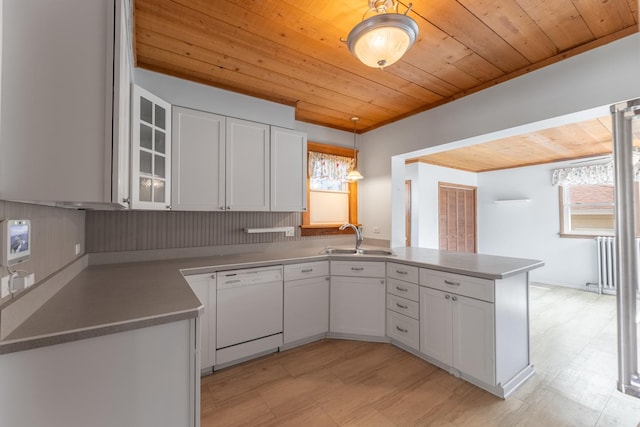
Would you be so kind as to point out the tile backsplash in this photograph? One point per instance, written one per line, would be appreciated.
(114, 231)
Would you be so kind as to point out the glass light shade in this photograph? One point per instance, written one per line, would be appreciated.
(354, 175)
(381, 40)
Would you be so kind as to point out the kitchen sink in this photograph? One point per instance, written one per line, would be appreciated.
(375, 252)
(339, 251)
(342, 251)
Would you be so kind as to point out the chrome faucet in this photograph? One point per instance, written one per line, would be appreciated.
(357, 231)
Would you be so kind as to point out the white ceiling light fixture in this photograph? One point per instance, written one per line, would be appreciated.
(354, 175)
(383, 39)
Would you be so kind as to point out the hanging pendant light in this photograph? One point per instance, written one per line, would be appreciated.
(354, 175)
(382, 39)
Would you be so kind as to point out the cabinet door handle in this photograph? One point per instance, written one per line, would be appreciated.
(306, 270)
(402, 330)
(454, 298)
(404, 307)
(357, 268)
(402, 289)
(402, 272)
(451, 283)
(447, 296)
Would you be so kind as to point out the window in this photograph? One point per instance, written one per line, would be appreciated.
(332, 199)
(588, 210)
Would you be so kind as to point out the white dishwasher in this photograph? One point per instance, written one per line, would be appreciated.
(249, 313)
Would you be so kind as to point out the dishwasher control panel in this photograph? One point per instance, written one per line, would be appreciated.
(250, 276)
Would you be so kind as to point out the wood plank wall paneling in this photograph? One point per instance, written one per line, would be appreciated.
(113, 231)
(55, 234)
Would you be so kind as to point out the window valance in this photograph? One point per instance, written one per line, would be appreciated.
(329, 166)
(599, 174)
(584, 175)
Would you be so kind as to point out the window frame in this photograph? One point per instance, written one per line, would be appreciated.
(308, 229)
(569, 234)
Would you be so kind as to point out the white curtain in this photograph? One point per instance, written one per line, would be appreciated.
(592, 174)
(329, 166)
(584, 175)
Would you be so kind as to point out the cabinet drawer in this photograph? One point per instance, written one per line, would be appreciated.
(407, 273)
(403, 289)
(403, 306)
(357, 268)
(403, 329)
(472, 287)
(305, 270)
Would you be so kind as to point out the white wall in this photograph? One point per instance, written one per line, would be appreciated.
(206, 98)
(589, 81)
(324, 135)
(424, 194)
(530, 229)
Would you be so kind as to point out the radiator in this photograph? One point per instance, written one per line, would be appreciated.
(606, 260)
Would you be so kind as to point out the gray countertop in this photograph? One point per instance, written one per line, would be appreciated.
(105, 299)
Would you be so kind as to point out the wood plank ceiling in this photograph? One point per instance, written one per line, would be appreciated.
(575, 141)
(289, 51)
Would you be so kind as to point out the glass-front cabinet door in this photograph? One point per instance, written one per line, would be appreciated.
(151, 151)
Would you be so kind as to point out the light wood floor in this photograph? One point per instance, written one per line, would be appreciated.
(350, 383)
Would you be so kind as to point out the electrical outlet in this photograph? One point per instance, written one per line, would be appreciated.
(376, 230)
(29, 280)
(290, 232)
(4, 286)
(23, 282)
(78, 249)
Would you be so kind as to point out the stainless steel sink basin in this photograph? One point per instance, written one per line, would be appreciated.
(339, 251)
(342, 251)
(375, 252)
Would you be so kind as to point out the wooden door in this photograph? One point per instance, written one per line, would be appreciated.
(457, 217)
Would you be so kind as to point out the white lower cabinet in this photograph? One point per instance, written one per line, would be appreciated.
(403, 308)
(204, 286)
(458, 331)
(357, 304)
(404, 329)
(142, 377)
(306, 301)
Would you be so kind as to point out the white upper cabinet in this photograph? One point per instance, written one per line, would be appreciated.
(288, 170)
(247, 166)
(222, 163)
(198, 160)
(61, 118)
(122, 78)
(150, 151)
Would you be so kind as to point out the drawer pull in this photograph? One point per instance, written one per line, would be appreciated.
(447, 296)
(357, 268)
(454, 298)
(402, 272)
(402, 289)
(404, 331)
(404, 307)
(451, 283)
(306, 270)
